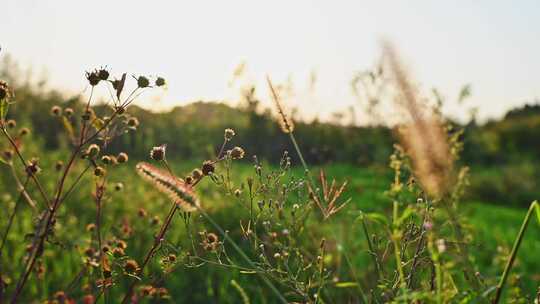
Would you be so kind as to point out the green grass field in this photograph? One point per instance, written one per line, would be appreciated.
(494, 228)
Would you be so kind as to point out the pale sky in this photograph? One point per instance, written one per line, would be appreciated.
(195, 45)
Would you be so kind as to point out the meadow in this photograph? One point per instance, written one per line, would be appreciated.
(104, 202)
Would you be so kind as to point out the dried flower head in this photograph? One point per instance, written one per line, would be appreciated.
(118, 252)
(59, 165)
(237, 153)
(229, 134)
(92, 151)
(208, 167)
(210, 241)
(93, 78)
(33, 167)
(8, 155)
(133, 122)
(189, 179)
(68, 112)
(99, 171)
(5, 91)
(118, 186)
(142, 212)
(142, 82)
(197, 173)
(87, 115)
(160, 81)
(103, 74)
(11, 123)
(158, 153)
(122, 157)
(56, 111)
(24, 132)
(106, 159)
(131, 266)
(171, 185)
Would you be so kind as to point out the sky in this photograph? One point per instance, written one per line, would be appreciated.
(492, 45)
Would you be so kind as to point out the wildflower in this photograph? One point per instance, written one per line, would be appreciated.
(122, 158)
(237, 153)
(68, 112)
(208, 167)
(133, 122)
(171, 258)
(99, 171)
(189, 179)
(11, 123)
(229, 134)
(4, 90)
(160, 81)
(158, 153)
(142, 82)
(56, 111)
(171, 185)
(91, 227)
(103, 74)
(131, 266)
(33, 167)
(93, 78)
(24, 132)
(121, 244)
(277, 255)
(237, 192)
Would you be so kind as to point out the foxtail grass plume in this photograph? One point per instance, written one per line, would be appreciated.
(424, 137)
(286, 123)
(171, 185)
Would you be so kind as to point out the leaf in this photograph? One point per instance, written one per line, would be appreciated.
(346, 284)
(537, 207)
(247, 272)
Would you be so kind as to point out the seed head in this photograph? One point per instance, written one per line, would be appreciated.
(229, 134)
(158, 153)
(99, 171)
(143, 82)
(56, 111)
(8, 154)
(118, 252)
(60, 296)
(106, 159)
(122, 158)
(237, 192)
(208, 167)
(103, 74)
(142, 212)
(133, 122)
(11, 123)
(24, 132)
(91, 227)
(68, 112)
(197, 173)
(59, 165)
(92, 151)
(33, 167)
(189, 179)
(160, 81)
(237, 153)
(131, 266)
(118, 186)
(93, 78)
(87, 114)
(5, 91)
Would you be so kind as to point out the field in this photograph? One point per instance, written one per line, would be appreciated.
(494, 229)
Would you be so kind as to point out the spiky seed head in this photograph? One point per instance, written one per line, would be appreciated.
(24, 132)
(56, 111)
(133, 122)
(122, 158)
(68, 112)
(11, 123)
(99, 171)
(143, 82)
(158, 153)
(103, 74)
(189, 179)
(59, 165)
(160, 81)
(208, 167)
(197, 173)
(174, 187)
(92, 151)
(93, 78)
(229, 134)
(237, 153)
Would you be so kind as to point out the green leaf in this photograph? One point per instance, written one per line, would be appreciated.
(346, 284)
(537, 207)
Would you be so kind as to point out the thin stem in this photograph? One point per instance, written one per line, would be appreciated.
(12, 216)
(515, 249)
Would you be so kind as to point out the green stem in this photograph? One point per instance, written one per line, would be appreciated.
(515, 249)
